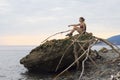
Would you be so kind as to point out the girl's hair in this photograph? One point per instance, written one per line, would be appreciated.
(83, 19)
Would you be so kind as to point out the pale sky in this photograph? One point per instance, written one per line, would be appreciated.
(28, 22)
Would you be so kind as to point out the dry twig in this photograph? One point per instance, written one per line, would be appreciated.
(66, 51)
(110, 44)
(75, 61)
(86, 52)
(76, 54)
(55, 35)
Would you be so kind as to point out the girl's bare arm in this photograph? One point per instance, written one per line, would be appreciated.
(74, 25)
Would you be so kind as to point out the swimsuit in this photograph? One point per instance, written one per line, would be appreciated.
(81, 26)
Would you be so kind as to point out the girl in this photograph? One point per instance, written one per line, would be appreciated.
(80, 29)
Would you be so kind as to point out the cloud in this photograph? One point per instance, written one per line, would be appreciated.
(37, 19)
(4, 7)
(34, 17)
(57, 9)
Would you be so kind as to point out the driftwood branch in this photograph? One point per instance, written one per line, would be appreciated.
(63, 56)
(55, 35)
(70, 65)
(89, 56)
(85, 53)
(75, 61)
(110, 44)
(83, 63)
(76, 54)
(66, 51)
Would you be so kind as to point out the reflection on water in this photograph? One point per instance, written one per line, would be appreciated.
(10, 69)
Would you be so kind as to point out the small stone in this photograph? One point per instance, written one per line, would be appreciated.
(118, 64)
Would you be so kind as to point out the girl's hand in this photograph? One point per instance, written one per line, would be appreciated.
(69, 25)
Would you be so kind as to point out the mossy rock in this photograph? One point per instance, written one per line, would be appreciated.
(45, 57)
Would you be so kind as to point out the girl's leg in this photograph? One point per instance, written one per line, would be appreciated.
(75, 28)
(79, 30)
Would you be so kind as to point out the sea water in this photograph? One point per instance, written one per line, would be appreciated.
(10, 67)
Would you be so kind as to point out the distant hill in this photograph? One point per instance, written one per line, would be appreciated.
(115, 39)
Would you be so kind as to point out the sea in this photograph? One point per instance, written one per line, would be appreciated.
(10, 67)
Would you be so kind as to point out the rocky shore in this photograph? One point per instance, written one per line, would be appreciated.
(105, 70)
(45, 58)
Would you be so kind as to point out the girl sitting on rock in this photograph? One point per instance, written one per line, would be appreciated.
(80, 29)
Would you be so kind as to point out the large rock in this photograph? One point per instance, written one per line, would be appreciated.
(45, 57)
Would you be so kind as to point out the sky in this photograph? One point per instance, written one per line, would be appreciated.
(28, 22)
